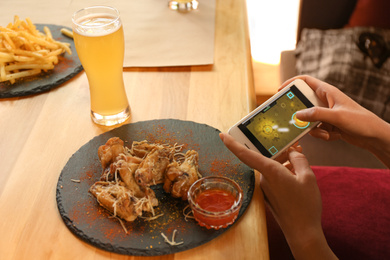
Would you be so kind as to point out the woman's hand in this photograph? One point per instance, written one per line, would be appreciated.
(293, 197)
(345, 119)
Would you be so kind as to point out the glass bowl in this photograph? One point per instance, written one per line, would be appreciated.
(215, 201)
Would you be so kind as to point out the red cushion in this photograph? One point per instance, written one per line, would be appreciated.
(356, 214)
(373, 13)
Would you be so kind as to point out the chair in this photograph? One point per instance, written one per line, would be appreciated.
(355, 196)
(330, 14)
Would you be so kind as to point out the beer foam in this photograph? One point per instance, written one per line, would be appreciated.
(97, 25)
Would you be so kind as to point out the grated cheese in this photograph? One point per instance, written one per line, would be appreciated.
(172, 242)
(187, 215)
(121, 222)
(152, 218)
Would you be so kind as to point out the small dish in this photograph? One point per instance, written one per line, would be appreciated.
(215, 201)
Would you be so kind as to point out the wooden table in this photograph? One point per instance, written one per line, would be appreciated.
(39, 133)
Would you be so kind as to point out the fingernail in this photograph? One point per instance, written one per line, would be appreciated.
(302, 112)
(324, 135)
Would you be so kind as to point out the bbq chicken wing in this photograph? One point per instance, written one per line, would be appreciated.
(117, 199)
(152, 168)
(180, 177)
(126, 167)
(109, 152)
(142, 148)
(120, 201)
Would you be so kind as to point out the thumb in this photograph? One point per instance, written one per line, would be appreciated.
(313, 114)
(298, 160)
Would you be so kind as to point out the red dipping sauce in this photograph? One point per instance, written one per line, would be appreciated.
(215, 201)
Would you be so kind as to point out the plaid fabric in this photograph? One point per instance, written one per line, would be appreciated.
(334, 57)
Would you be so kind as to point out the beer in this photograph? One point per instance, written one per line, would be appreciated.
(99, 42)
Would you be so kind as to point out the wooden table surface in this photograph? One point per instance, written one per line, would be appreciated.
(38, 134)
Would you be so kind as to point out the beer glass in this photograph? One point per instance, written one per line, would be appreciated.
(99, 41)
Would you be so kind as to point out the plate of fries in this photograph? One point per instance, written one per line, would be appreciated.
(35, 58)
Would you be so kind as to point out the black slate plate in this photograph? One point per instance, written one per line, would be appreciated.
(89, 222)
(68, 67)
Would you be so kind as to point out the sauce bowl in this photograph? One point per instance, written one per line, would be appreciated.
(215, 201)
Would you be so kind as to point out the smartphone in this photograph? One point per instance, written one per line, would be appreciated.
(273, 127)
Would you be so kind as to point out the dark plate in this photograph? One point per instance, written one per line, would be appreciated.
(68, 67)
(88, 221)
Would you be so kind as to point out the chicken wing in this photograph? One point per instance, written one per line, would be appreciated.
(120, 201)
(152, 168)
(142, 148)
(180, 177)
(109, 151)
(126, 166)
(117, 199)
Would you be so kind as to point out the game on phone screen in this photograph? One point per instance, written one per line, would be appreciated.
(275, 126)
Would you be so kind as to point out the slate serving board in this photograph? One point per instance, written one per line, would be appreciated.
(91, 223)
(68, 67)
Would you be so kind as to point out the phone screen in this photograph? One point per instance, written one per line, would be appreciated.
(276, 125)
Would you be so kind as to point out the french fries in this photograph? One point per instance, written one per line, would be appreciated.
(25, 51)
(67, 33)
